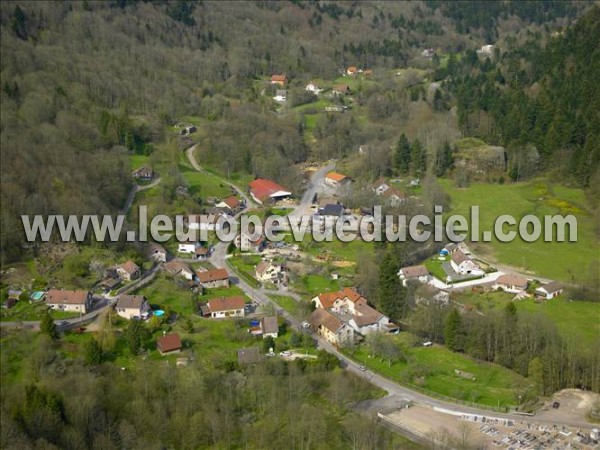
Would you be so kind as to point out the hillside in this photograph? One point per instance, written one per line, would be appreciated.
(86, 85)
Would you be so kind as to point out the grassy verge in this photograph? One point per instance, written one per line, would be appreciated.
(433, 370)
(244, 266)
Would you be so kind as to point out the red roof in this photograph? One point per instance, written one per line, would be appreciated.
(169, 343)
(213, 275)
(278, 78)
(232, 202)
(335, 176)
(263, 189)
(226, 303)
(59, 296)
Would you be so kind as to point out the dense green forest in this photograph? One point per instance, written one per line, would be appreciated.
(85, 84)
(541, 101)
(61, 397)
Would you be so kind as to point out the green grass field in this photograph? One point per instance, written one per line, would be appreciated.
(433, 369)
(202, 184)
(564, 261)
(245, 266)
(312, 285)
(578, 321)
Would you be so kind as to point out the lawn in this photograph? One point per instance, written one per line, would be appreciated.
(167, 291)
(245, 267)
(290, 305)
(25, 311)
(202, 184)
(577, 321)
(432, 369)
(434, 266)
(312, 285)
(334, 250)
(138, 161)
(565, 261)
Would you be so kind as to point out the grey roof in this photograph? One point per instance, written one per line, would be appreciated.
(332, 210)
(269, 325)
(130, 301)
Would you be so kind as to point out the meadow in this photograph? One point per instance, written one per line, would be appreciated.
(564, 261)
(576, 320)
(432, 369)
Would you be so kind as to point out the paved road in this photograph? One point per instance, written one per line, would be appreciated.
(260, 295)
(192, 158)
(101, 302)
(134, 190)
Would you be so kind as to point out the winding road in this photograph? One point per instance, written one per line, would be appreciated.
(260, 295)
(219, 259)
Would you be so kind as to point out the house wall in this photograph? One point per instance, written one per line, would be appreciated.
(71, 308)
(216, 283)
(229, 313)
(186, 248)
(129, 313)
(159, 256)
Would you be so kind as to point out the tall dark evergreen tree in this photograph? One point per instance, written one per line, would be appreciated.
(47, 326)
(392, 295)
(402, 155)
(453, 331)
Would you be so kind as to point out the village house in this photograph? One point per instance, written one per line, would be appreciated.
(352, 70)
(428, 53)
(204, 222)
(269, 327)
(331, 328)
(414, 273)
(246, 243)
(232, 204)
(218, 308)
(144, 173)
(169, 343)
(156, 252)
(280, 95)
(463, 265)
(486, 50)
(281, 80)
(366, 320)
(341, 89)
(266, 271)
(332, 210)
(549, 291)
(187, 130)
(201, 253)
(132, 306)
(188, 246)
(213, 278)
(263, 190)
(393, 197)
(178, 269)
(128, 271)
(380, 186)
(511, 283)
(312, 87)
(75, 301)
(336, 180)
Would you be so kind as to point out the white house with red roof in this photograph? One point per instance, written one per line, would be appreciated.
(263, 190)
(336, 179)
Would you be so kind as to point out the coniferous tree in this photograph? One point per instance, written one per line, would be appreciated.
(47, 325)
(453, 331)
(392, 295)
(402, 155)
